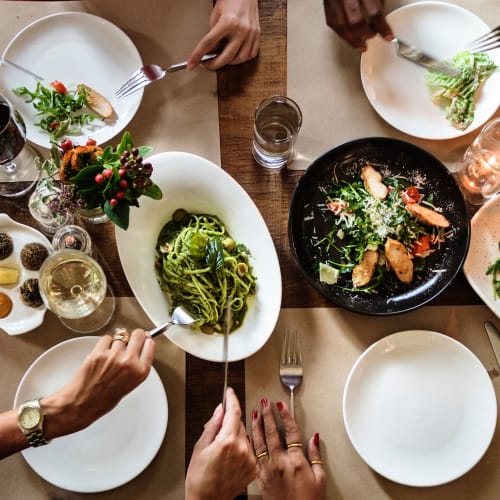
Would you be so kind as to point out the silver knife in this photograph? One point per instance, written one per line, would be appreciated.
(422, 59)
(227, 328)
(494, 336)
(25, 70)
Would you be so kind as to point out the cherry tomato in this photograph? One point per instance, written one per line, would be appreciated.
(91, 142)
(422, 245)
(58, 86)
(66, 145)
(411, 195)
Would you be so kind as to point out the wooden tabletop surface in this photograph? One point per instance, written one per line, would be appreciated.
(240, 88)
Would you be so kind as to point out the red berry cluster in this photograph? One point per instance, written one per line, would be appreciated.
(133, 177)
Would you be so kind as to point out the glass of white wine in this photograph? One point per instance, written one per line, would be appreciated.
(18, 169)
(73, 286)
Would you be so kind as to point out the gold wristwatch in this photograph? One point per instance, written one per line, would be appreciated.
(30, 420)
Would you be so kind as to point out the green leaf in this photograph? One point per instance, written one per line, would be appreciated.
(154, 192)
(118, 214)
(214, 256)
(125, 144)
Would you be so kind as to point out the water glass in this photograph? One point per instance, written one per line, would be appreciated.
(479, 177)
(488, 140)
(277, 122)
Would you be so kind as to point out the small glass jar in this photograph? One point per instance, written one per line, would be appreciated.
(38, 205)
(74, 238)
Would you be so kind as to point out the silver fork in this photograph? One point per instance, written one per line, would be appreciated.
(489, 41)
(150, 73)
(291, 371)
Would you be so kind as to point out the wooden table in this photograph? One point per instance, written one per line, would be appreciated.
(240, 88)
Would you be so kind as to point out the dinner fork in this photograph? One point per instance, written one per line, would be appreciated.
(489, 41)
(150, 73)
(291, 371)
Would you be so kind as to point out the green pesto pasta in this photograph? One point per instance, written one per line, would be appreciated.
(200, 266)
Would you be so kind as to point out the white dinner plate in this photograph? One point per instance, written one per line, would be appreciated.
(22, 318)
(111, 451)
(419, 408)
(484, 251)
(199, 186)
(396, 88)
(73, 47)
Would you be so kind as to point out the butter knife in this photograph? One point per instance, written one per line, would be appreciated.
(416, 56)
(22, 68)
(494, 336)
(225, 344)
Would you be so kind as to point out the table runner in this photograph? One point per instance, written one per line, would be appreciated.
(179, 113)
(331, 341)
(323, 76)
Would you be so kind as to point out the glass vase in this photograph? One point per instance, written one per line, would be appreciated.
(39, 208)
(93, 215)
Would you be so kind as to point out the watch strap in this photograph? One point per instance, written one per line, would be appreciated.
(36, 438)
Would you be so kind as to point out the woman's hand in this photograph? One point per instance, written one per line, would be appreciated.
(285, 470)
(234, 32)
(357, 20)
(223, 462)
(108, 373)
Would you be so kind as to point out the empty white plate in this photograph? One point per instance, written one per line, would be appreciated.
(419, 408)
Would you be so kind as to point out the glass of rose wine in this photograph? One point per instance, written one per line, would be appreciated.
(73, 286)
(18, 169)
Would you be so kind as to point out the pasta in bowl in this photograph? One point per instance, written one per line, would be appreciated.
(201, 187)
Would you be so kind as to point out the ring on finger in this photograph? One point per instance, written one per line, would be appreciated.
(122, 335)
(320, 462)
(263, 454)
(295, 445)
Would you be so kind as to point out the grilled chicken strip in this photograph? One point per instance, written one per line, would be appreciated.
(372, 180)
(427, 215)
(363, 272)
(399, 260)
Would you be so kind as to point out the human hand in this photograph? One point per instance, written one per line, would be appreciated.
(223, 462)
(108, 373)
(234, 31)
(285, 473)
(357, 20)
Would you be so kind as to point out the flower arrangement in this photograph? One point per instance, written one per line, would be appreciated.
(112, 179)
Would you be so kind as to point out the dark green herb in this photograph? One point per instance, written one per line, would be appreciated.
(494, 271)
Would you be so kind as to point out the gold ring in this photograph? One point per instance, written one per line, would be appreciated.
(122, 335)
(316, 462)
(295, 445)
(263, 454)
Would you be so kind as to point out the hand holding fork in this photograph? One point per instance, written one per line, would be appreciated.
(291, 371)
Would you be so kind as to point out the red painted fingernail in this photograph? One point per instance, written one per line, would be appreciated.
(279, 405)
(254, 414)
(264, 402)
(316, 440)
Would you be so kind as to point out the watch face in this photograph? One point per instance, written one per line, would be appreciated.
(30, 417)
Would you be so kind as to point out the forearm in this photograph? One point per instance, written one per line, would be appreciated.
(12, 438)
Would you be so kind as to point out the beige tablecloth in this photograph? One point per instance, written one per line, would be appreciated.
(324, 79)
(178, 114)
(332, 339)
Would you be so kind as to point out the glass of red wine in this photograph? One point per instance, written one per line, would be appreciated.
(18, 169)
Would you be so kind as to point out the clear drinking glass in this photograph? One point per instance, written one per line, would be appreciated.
(277, 122)
(487, 140)
(73, 286)
(18, 170)
(479, 177)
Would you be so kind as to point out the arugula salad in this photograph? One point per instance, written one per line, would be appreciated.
(64, 111)
(380, 227)
(457, 94)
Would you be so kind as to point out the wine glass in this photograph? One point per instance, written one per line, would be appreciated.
(18, 169)
(73, 286)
